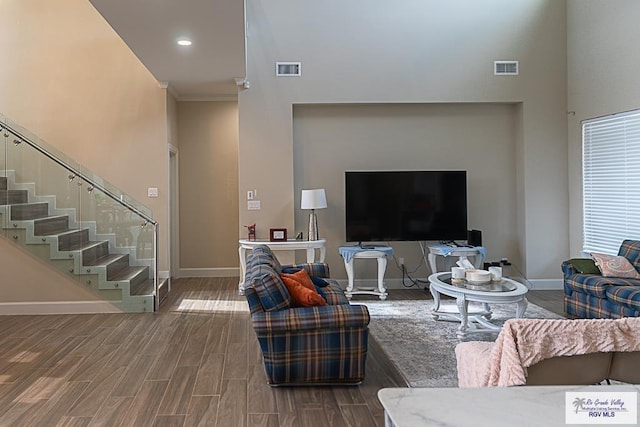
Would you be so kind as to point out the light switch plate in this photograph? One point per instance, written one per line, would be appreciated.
(152, 192)
(253, 205)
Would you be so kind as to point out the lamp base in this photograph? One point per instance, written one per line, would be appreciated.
(313, 226)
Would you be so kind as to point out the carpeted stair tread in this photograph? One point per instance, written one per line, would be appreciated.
(79, 244)
(133, 274)
(3, 182)
(10, 197)
(74, 240)
(52, 225)
(144, 288)
(94, 251)
(68, 239)
(163, 290)
(29, 211)
(112, 262)
(64, 232)
(105, 260)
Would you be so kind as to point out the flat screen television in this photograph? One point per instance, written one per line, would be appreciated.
(405, 205)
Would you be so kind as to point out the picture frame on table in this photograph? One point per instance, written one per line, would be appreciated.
(277, 234)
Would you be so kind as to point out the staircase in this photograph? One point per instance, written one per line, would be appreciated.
(80, 249)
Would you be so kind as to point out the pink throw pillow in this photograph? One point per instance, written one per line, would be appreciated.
(615, 266)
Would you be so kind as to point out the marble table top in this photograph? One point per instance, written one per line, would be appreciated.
(492, 406)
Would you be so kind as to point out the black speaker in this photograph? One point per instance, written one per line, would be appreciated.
(474, 237)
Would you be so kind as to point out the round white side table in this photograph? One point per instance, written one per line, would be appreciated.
(462, 252)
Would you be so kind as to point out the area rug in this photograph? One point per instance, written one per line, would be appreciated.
(422, 348)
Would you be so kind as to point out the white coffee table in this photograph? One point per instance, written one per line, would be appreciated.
(505, 292)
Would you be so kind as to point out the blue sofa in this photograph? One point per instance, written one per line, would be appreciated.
(303, 345)
(594, 296)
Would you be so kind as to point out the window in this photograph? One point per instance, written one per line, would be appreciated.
(611, 181)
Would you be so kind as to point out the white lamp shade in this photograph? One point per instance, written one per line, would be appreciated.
(313, 199)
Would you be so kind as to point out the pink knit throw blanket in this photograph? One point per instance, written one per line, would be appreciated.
(525, 342)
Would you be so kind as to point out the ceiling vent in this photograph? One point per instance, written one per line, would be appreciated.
(505, 68)
(288, 69)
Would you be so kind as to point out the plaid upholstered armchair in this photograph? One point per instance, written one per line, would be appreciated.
(302, 345)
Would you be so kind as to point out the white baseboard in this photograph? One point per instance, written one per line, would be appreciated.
(209, 272)
(57, 307)
(546, 284)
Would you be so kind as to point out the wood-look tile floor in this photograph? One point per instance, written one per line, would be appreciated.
(194, 363)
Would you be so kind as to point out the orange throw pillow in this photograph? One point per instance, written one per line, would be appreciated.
(301, 294)
(301, 277)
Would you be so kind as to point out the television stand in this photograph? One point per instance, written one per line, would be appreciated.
(380, 253)
(366, 247)
(462, 252)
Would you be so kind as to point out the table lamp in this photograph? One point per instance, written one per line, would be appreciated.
(313, 199)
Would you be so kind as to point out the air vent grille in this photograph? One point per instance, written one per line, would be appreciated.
(288, 69)
(505, 68)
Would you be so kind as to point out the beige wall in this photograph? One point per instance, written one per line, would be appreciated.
(604, 77)
(478, 138)
(172, 120)
(208, 134)
(425, 52)
(67, 77)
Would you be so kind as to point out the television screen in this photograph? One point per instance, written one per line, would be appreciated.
(405, 205)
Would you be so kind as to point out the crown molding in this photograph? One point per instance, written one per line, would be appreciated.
(167, 86)
(207, 98)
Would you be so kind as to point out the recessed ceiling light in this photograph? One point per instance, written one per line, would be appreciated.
(184, 42)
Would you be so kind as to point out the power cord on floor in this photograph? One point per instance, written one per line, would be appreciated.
(406, 274)
(414, 282)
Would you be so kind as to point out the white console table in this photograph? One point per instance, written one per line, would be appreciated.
(349, 253)
(461, 252)
(310, 246)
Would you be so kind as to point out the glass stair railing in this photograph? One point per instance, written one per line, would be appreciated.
(59, 211)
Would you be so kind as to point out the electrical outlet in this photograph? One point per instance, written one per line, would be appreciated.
(401, 260)
(250, 195)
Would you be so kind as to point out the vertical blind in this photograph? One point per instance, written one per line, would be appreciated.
(611, 181)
